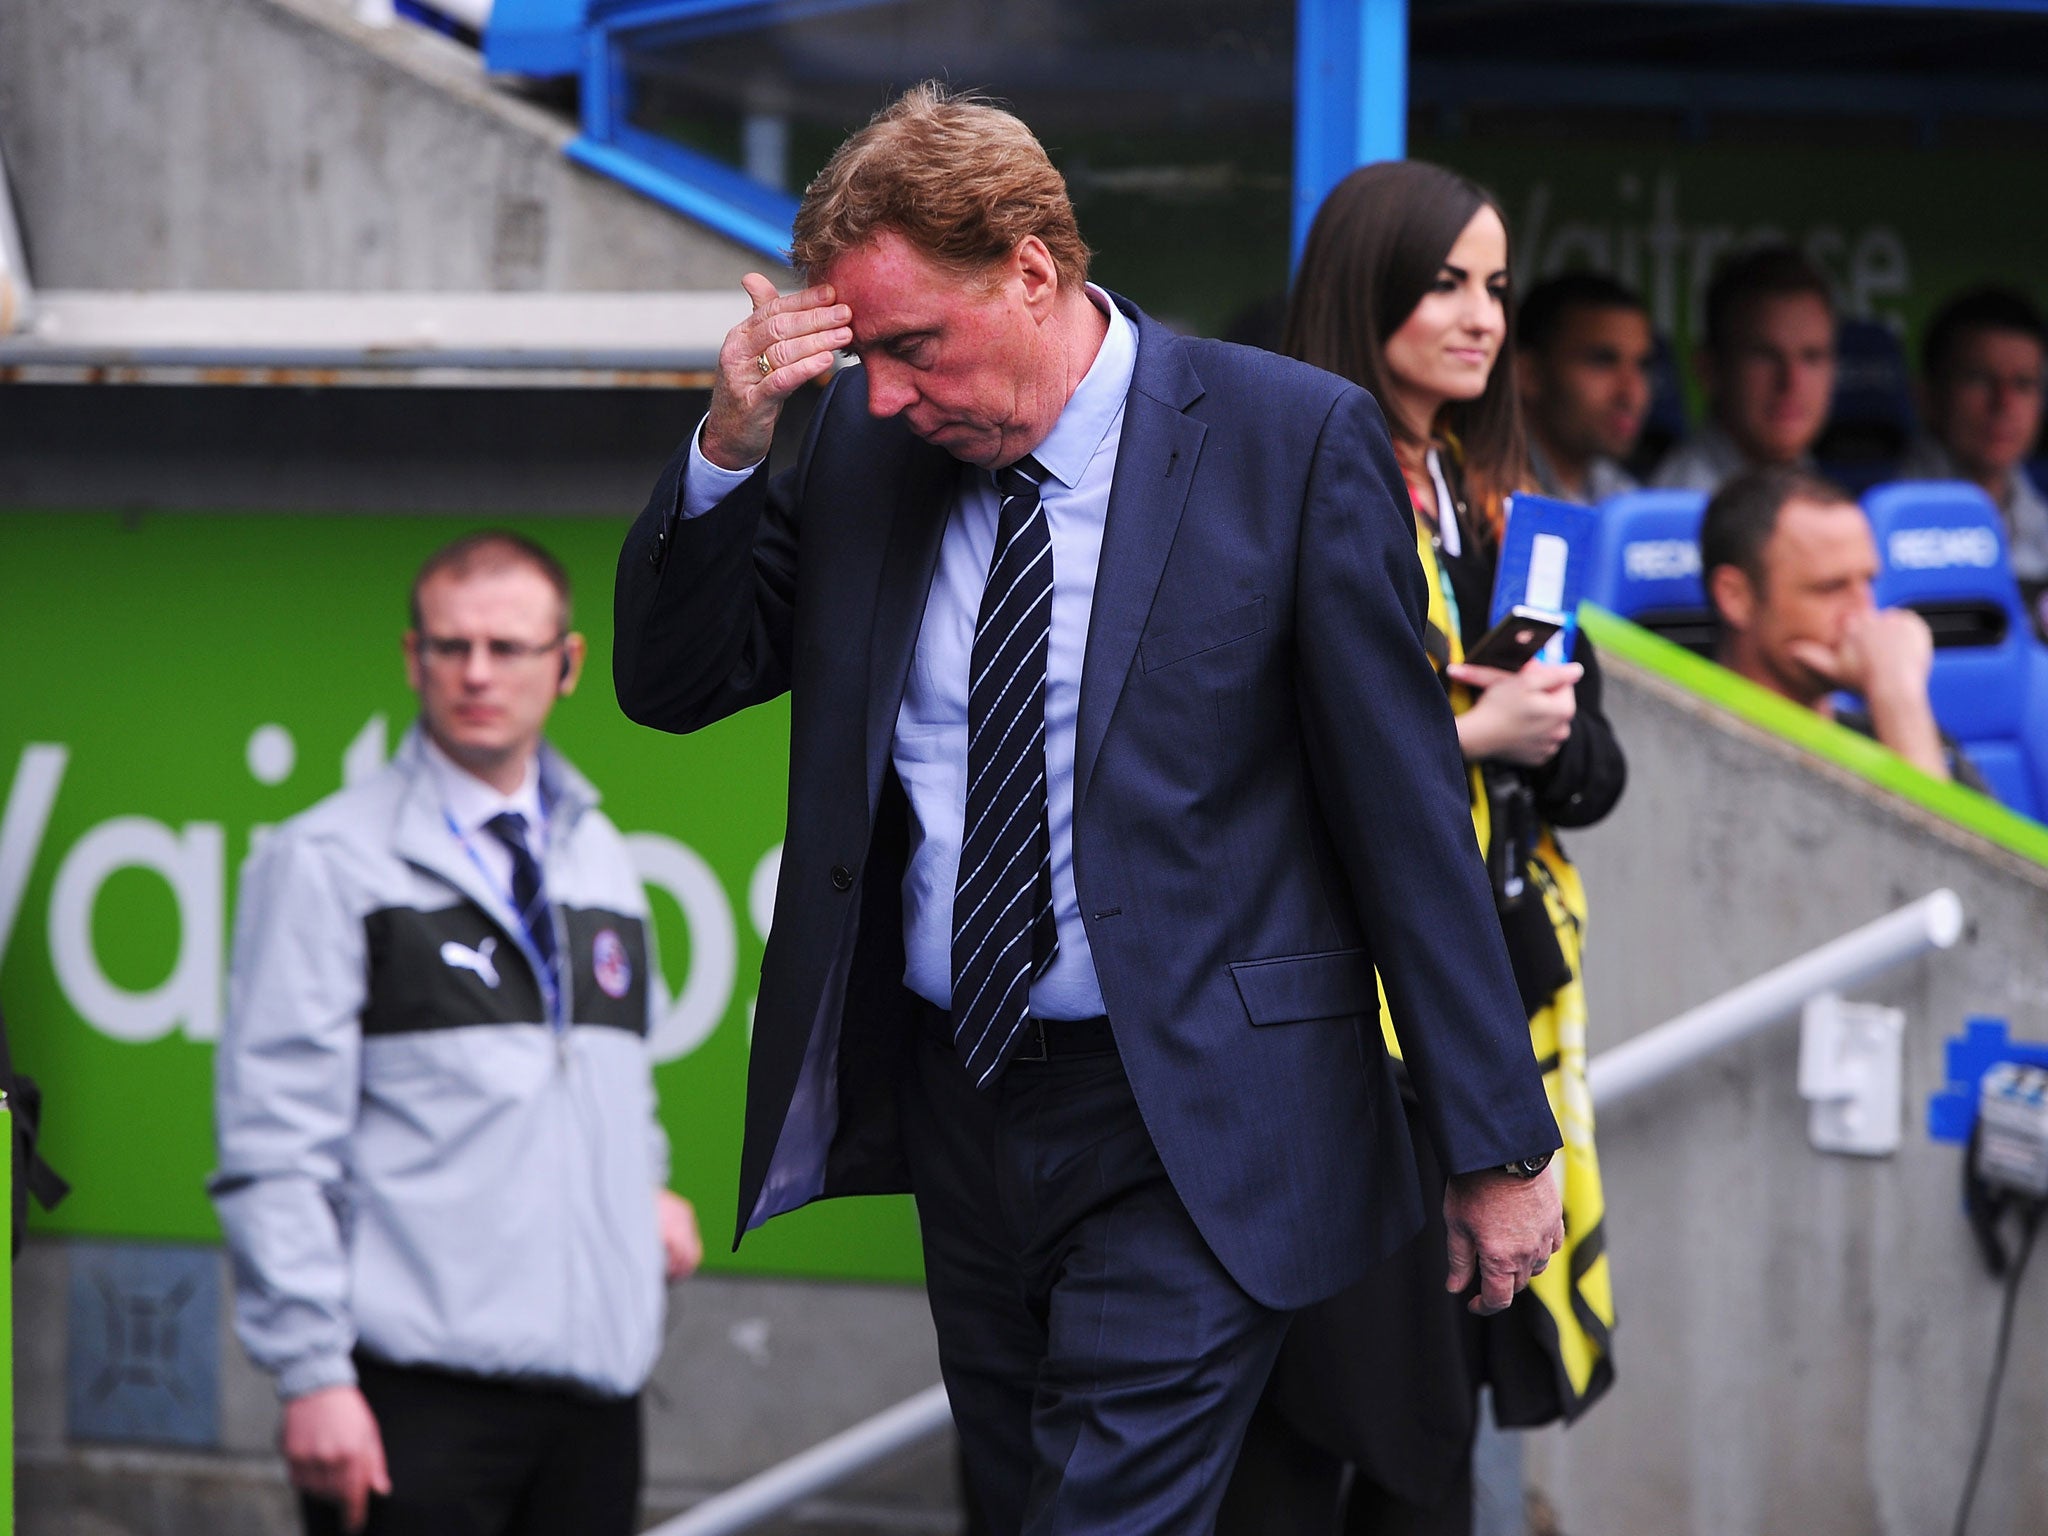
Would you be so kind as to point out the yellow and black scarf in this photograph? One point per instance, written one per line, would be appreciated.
(1574, 1314)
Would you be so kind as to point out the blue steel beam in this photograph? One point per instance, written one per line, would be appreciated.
(1351, 95)
(542, 38)
(687, 195)
(692, 184)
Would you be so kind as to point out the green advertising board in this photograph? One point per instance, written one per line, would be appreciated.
(180, 682)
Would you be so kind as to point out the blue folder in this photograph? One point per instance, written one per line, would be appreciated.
(1544, 557)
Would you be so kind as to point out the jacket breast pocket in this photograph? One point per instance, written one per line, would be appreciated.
(1204, 634)
(1288, 989)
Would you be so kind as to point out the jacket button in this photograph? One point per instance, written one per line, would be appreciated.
(842, 878)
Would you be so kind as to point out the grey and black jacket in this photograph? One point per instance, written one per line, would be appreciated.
(414, 1158)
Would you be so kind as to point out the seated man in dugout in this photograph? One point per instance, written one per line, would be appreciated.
(1980, 399)
(1788, 560)
(1767, 364)
(1583, 354)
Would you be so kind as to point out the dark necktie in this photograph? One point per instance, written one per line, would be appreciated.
(1003, 933)
(528, 895)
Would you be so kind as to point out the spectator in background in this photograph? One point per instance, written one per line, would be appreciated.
(441, 1178)
(1788, 559)
(1767, 363)
(1980, 399)
(1583, 356)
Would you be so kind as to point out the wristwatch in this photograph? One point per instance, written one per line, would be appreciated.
(1528, 1167)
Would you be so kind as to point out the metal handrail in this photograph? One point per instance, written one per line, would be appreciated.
(829, 1462)
(1933, 922)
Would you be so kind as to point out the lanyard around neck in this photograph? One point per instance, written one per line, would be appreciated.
(550, 985)
(1446, 508)
(502, 889)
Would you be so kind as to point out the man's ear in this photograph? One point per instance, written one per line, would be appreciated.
(1034, 267)
(1528, 381)
(413, 666)
(573, 652)
(1733, 595)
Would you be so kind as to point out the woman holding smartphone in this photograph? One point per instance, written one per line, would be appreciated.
(1404, 289)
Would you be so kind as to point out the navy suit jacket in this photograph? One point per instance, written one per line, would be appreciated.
(1268, 803)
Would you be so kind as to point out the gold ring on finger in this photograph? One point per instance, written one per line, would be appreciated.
(764, 365)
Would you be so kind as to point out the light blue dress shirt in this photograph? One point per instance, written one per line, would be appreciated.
(470, 805)
(929, 749)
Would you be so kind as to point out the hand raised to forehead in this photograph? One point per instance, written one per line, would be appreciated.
(787, 341)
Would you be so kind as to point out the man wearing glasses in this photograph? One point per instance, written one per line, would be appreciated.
(441, 1177)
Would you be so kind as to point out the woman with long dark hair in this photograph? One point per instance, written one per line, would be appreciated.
(1369, 1420)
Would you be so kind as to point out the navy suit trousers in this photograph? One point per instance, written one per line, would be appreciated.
(1102, 1364)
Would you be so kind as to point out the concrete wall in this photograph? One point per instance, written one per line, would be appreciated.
(278, 144)
(1804, 1339)
(753, 1371)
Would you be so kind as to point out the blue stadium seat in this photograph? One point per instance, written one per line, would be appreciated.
(1871, 417)
(1942, 553)
(1646, 566)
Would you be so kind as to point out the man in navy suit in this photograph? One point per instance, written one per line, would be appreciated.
(1104, 650)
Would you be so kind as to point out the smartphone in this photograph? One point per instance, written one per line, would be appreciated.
(1510, 643)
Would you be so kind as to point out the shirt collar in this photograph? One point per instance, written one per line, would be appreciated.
(2022, 494)
(1927, 459)
(1604, 477)
(470, 802)
(1097, 402)
(1540, 468)
(1719, 448)
(1726, 455)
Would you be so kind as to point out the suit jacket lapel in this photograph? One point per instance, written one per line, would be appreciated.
(917, 523)
(1155, 466)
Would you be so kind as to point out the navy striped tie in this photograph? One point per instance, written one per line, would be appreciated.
(531, 898)
(1003, 933)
